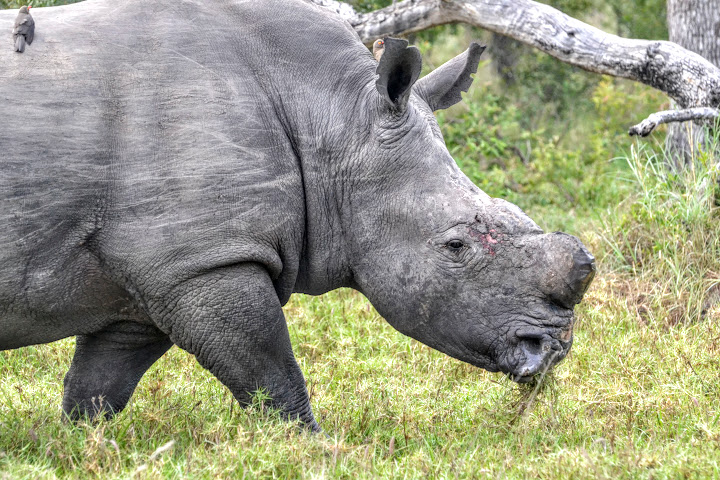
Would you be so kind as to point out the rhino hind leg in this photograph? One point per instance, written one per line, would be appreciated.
(107, 367)
(231, 320)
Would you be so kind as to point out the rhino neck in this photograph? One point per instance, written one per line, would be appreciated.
(323, 121)
(326, 147)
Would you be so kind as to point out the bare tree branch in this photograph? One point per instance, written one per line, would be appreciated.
(648, 125)
(686, 77)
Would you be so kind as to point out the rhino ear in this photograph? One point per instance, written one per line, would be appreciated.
(397, 71)
(442, 87)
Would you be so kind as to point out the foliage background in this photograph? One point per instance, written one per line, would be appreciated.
(637, 397)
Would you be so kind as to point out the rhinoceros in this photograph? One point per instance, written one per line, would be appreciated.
(172, 171)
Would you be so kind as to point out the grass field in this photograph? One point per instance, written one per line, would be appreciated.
(637, 397)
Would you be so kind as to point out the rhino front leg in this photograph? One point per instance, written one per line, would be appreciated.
(233, 323)
(107, 367)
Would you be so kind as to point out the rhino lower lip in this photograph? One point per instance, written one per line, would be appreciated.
(539, 350)
(528, 372)
(527, 378)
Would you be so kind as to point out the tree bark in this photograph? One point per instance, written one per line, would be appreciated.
(688, 78)
(694, 25)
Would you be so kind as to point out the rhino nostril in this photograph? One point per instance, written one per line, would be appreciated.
(533, 346)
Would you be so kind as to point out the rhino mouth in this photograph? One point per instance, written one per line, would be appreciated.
(527, 352)
(532, 343)
(538, 350)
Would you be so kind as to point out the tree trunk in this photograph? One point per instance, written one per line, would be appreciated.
(505, 53)
(694, 25)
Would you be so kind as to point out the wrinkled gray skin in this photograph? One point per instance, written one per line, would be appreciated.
(173, 170)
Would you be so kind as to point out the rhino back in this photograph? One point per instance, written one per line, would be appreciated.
(143, 142)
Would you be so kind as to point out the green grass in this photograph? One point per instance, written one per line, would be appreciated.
(637, 397)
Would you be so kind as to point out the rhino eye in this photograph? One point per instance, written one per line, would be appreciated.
(454, 245)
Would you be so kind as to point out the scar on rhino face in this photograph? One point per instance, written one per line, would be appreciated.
(487, 238)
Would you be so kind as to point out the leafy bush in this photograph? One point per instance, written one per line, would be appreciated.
(368, 5)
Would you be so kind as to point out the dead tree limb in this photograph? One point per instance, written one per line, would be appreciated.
(668, 116)
(686, 77)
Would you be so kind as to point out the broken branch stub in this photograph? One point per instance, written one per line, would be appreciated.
(645, 127)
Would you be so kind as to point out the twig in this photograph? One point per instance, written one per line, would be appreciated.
(161, 449)
(154, 456)
(667, 116)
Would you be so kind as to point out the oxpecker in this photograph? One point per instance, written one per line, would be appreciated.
(24, 29)
(378, 48)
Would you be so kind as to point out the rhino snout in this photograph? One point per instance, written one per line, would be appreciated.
(568, 271)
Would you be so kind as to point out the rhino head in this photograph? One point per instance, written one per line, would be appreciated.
(442, 262)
